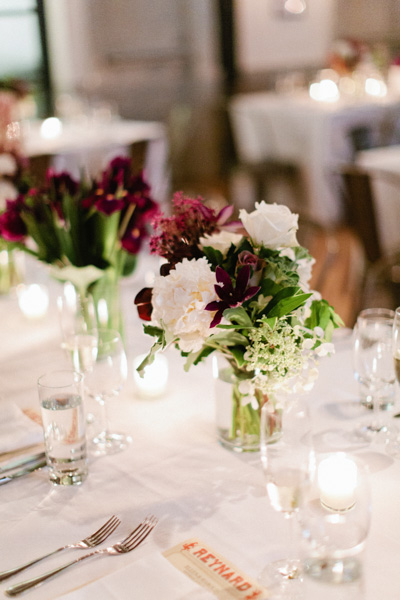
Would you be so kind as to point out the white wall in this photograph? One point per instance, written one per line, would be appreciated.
(266, 41)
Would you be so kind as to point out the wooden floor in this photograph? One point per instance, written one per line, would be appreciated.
(338, 272)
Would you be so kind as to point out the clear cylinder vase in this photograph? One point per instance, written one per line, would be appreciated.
(11, 269)
(107, 299)
(238, 412)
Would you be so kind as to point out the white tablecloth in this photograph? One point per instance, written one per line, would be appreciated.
(383, 164)
(175, 469)
(313, 135)
(90, 145)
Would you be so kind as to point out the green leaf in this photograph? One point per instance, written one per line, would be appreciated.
(238, 354)
(238, 316)
(213, 256)
(194, 358)
(227, 338)
(287, 305)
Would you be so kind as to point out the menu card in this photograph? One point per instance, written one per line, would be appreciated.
(213, 572)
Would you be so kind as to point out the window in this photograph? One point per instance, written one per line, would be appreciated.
(23, 48)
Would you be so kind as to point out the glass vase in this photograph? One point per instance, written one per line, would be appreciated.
(107, 299)
(238, 405)
(11, 269)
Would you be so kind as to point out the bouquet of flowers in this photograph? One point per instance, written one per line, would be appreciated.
(240, 289)
(82, 228)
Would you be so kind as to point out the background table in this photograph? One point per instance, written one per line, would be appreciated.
(87, 146)
(314, 136)
(383, 165)
(175, 469)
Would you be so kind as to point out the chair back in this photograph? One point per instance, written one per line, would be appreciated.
(360, 209)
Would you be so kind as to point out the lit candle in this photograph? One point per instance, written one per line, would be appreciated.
(33, 300)
(155, 376)
(51, 128)
(337, 481)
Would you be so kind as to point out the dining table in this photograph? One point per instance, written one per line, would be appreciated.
(88, 144)
(175, 469)
(315, 136)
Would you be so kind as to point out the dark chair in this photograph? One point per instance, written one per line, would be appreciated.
(38, 166)
(382, 270)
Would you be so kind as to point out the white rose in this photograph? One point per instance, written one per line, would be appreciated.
(179, 302)
(271, 225)
(221, 241)
(7, 192)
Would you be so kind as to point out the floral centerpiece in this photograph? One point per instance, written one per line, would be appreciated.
(89, 231)
(238, 289)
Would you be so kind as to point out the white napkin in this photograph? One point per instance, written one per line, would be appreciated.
(17, 430)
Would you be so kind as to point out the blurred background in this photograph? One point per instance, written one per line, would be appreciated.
(194, 67)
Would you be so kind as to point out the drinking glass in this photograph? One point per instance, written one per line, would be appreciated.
(288, 464)
(335, 519)
(60, 395)
(104, 382)
(374, 368)
(78, 327)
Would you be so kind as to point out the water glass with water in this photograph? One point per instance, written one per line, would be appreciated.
(60, 395)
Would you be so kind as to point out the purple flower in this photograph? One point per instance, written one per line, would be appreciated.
(12, 227)
(230, 296)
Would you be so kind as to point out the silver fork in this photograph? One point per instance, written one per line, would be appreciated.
(132, 541)
(89, 542)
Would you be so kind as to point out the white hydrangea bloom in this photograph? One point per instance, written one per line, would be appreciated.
(179, 300)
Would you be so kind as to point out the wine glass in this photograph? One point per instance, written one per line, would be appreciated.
(78, 327)
(374, 368)
(288, 465)
(104, 381)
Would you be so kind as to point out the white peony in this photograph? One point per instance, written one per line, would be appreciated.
(221, 241)
(271, 225)
(179, 300)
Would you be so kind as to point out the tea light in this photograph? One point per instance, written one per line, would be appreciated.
(325, 90)
(51, 128)
(337, 481)
(33, 300)
(155, 377)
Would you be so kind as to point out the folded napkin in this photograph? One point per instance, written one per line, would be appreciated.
(17, 430)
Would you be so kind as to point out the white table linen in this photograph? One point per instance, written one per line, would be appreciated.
(90, 145)
(175, 469)
(383, 164)
(311, 134)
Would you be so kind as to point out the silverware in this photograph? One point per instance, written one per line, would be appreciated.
(27, 469)
(20, 462)
(89, 542)
(132, 541)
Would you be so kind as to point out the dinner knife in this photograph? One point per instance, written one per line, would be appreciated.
(21, 462)
(24, 471)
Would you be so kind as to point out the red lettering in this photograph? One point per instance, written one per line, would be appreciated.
(228, 575)
(244, 587)
(237, 580)
(205, 558)
(216, 562)
(221, 569)
(200, 552)
(255, 594)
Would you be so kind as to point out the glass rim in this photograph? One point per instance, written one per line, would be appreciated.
(76, 378)
(383, 313)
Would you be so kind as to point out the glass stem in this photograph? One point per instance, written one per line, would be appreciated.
(292, 541)
(104, 417)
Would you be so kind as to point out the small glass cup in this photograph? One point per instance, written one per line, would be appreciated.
(335, 520)
(60, 395)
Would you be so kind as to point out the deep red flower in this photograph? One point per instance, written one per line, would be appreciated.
(143, 303)
(12, 227)
(230, 296)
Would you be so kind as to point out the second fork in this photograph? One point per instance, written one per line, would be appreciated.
(96, 538)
